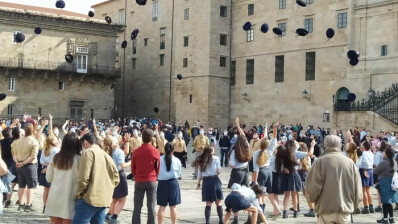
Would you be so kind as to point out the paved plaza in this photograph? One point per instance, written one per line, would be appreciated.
(190, 211)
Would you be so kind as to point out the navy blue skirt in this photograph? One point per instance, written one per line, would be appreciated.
(265, 178)
(236, 202)
(277, 184)
(303, 176)
(212, 189)
(43, 181)
(387, 195)
(239, 176)
(366, 181)
(168, 193)
(121, 190)
(292, 182)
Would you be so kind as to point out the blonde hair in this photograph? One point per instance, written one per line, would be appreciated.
(262, 155)
(305, 162)
(352, 151)
(49, 143)
(108, 142)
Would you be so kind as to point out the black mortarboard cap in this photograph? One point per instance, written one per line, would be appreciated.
(277, 31)
(19, 37)
(302, 32)
(60, 4)
(354, 61)
(134, 34)
(37, 30)
(69, 58)
(124, 44)
(352, 54)
(91, 13)
(179, 77)
(108, 19)
(264, 28)
(330, 33)
(156, 109)
(141, 2)
(2, 96)
(351, 97)
(247, 26)
(301, 3)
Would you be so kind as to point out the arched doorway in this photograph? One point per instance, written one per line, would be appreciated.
(341, 99)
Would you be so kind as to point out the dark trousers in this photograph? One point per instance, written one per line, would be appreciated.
(140, 189)
(224, 155)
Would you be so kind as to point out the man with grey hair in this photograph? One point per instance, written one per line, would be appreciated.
(334, 184)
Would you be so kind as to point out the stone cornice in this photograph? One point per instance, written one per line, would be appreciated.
(59, 23)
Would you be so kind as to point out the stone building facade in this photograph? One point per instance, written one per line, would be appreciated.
(257, 76)
(35, 74)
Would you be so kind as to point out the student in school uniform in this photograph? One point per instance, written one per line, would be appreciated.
(168, 191)
(209, 167)
(365, 166)
(276, 160)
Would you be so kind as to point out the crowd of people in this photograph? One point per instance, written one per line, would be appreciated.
(82, 169)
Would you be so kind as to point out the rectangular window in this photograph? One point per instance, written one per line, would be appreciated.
(14, 34)
(190, 98)
(282, 4)
(279, 68)
(310, 66)
(223, 11)
(134, 62)
(186, 39)
(233, 71)
(250, 9)
(223, 61)
(383, 50)
(342, 20)
(282, 26)
(309, 1)
(250, 35)
(121, 17)
(162, 38)
(82, 63)
(61, 86)
(308, 25)
(76, 110)
(10, 110)
(146, 42)
(185, 62)
(249, 71)
(223, 39)
(11, 84)
(186, 14)
(161, 60)
(154, 11)
(134, 46)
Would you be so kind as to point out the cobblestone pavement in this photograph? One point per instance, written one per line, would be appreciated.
(190, 211)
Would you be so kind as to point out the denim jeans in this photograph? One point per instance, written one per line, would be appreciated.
(86, 213)
(224, 155)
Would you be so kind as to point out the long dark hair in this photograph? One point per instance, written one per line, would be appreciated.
(242, 153)
(383, 146)
(390, 155)
(71, 146)
(16, 133)
(168, 149)
(290, 160)
(203, 160)
(281, 153)
(6, 132)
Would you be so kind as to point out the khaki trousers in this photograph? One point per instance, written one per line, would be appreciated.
(334, 218)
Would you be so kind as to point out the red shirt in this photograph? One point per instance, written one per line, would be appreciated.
(145, 163)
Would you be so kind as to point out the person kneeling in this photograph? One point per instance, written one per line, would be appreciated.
(246, 199)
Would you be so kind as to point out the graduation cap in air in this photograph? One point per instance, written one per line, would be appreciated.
(301, 3)
(352, 54)
(156, 110)
(277, 31)
(60, 4)
(351, 97)
(354, 61)
(37, 30)
(2, 96)
(134, 34)
(19, 37)
(91, 13)
(69, 58)
(330, 33)
(302, 32)
(179, 77)
(124, 44)
(141, 2)
(247, 26)
(108, 19)
(264, 28)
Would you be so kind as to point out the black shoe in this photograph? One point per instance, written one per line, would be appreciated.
(378, 209)
(292, 209)
(295, 213)
(17, 202)
(391, 220)
(310, 213)
(284, 214)
(179, 178)
(365, 211)
(371, 210)
(21, 207)
(28, 208)
(234, 222)
(7, 204)
(383, 221)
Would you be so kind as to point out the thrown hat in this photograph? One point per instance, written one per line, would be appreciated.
(354, 61)
(2, 96)
(91, 13)
(264, 28)
(301, 3)
(330, 33)
(37, 30)
(134, 34)
(69, 58)
(19, 37)
(124, 44)
(108, 19)
(179, 76)
(156, 109)
(277, 31)
(351, 97)
(352, 54)
(247, 26)
(60, 4)
(302, 32)
(141, 2)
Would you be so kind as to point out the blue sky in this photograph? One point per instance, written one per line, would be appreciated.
(79, 6)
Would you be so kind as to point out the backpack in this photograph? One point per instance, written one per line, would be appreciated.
(394, 183)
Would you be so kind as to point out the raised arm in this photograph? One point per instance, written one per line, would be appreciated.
(238, 127)
(275, 130)
(64, 127)
(50, 124)
(43, 124)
